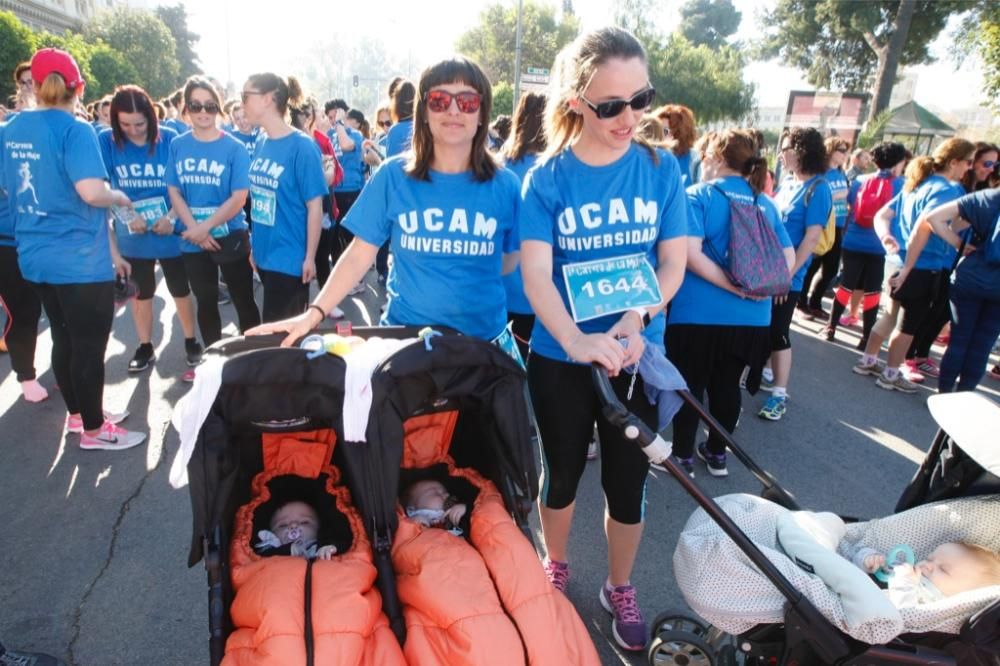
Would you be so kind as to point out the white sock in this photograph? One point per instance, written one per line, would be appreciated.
(779, 392)
(891, 373)
(869, 359)
(767, 374)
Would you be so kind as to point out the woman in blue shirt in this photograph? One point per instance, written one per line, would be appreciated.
(975, 290)
(597, 194)
(399, 138)
(811, 296)
(527, 140)
(449, 212)
(58, 192)
(136, 153)
(930, 182)
(287, 187)
(862, 251)
(208, 180)
(715, 330)
(805, 200)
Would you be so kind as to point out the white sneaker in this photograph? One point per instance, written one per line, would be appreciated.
(111, 438)
(335, 313)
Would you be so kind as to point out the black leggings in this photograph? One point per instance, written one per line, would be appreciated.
(284, 295)
(939, 315)
(203, 274)
(23, 312)
(324, 252)
(80, 318)
(566, 407)
(829, 262)
(862, 271)
(143, 272)
(342, 237)
(710, 359)
(781, 322)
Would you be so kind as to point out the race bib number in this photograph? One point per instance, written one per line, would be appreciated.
(606, 286)
(150, 210)
(508, 345)
(202, 214)
(840, 208)
(265, 206)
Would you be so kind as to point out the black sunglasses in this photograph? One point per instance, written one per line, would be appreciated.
(207, 107)
(639, 102)
(385, 123)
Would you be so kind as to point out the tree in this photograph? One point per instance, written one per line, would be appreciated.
(503, 100)
(492, 43)
(175, 18)
(979, 34)
(709, 22)
(110, 69)
(17, 44)
(145, 42)
(855, 45)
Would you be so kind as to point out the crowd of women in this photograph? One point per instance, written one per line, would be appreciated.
(485, 231)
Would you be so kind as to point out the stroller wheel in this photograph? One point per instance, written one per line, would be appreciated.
(671, 620)
(680, 648)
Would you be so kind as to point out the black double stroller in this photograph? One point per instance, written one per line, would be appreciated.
(266, 389)
(963, 462)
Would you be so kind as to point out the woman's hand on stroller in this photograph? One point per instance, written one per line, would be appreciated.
(326, 553)
(600, 348)
(296, 327)
(629, 329)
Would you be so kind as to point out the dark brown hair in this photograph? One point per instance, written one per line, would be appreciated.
(969, 179)
(402, 100)
(200, 83)
(807, 143)
(453, 70)
(286, 93)
(133, 99)
(527, 133)
(738, 149)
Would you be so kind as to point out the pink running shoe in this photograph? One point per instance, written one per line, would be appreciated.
(628, 625)
(557, 572)
(849, 320)
(111, 438)
(912, 372)
(928, 367)
(74, 422)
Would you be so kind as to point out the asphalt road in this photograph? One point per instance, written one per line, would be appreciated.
(94, 560)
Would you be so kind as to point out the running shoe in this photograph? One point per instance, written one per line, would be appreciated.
(928, 367)
(194, 352)
(875, 369)
(828, 333)
(774, 408)
(628, 625)
(716, 463)
(20, 658)
(804, 310)
(911, 372)
(766, 383)
(74, 422)
(143, 358)
(818, 313)
(557, 572)
(686, 464)
(899, 383)
(111, 438)
(849, 320)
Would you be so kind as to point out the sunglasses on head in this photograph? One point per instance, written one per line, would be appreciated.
(207, 107)
(989, 164)
(611, 108)
(439, 101)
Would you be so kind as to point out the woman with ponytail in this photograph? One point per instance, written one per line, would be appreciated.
(715, 330)
(287, 187)
(58, 192)
(923, 281)
(598, 194)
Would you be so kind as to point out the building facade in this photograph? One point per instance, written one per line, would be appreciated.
(55, 16)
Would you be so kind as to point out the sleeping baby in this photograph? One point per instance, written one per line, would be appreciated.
(295, 524)
(428, 503)
(950, 569)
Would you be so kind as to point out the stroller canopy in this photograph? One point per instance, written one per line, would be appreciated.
(973, 422)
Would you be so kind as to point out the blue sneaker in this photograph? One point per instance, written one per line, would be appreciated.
(774, 408)
(628, 625)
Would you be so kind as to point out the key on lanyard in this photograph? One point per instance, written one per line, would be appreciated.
(631, 386)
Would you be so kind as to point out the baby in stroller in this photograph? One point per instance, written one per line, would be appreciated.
(294, 531)
(429, 503)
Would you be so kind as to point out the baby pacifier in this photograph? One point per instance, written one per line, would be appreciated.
(293, 534)
(901, 554)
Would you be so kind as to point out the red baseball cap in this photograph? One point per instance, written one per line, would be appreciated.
(47, 61)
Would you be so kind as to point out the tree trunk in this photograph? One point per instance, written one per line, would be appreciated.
(888, 58)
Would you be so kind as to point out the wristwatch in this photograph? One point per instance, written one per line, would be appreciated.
(643, 316)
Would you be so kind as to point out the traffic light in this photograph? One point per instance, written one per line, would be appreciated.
(355, 80)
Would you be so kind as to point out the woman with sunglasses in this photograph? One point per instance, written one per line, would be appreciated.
(136, 153)
(448, 210)
(207, 179)
(984, 163)
(287, 187)
(56, 182)
(597, 194)
(922, 282)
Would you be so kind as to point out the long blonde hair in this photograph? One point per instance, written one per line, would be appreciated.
(920, 168)
(574, 68)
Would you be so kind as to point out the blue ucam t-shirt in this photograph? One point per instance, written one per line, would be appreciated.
(587, 212)
(865, 239)
(513, 283)
(933, 192)
(285, 174)
(60, 238)
(399, 138)
(207, 173)
(975, 274)
(350, 161)
(177, 125)
(448, 237)
(142, 177)
(698, 301)
(6, 215)
(837, 181)
(248, 140)
(798, 215)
